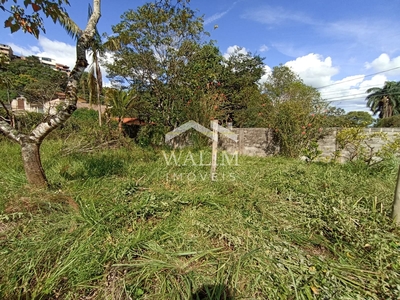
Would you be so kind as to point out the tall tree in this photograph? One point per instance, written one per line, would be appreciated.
(241, 73)
(30, 143)
(293, 110)
(385, 100)
(152, 45)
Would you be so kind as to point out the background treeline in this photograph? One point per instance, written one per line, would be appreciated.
(164, 70)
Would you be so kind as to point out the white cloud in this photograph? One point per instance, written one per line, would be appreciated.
(374, 34)
(313, 69)
(234, 49)
(289, 49)
(384, 63)
(276, 15)
(23, 51)
(63, 53)
(215, 17)
(263, 48)
(349, 93)
(268, 71)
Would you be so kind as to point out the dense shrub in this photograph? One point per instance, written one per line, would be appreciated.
(27, 121)
(357, 145)
(82, 120)
(296, 129)
(393, 121)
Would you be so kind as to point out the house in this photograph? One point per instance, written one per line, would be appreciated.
(20, 105)
(6, 50)
(50, 62)
(62, 68)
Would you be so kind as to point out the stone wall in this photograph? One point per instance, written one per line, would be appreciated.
(259, 141)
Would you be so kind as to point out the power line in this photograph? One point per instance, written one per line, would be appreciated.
(357, 78)
(355, 95)
(340, 93)
(346, 90)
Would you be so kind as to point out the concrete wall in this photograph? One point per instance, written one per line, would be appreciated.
(251, 141)
(259, 142)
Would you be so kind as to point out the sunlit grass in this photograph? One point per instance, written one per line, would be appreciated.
(116, 225)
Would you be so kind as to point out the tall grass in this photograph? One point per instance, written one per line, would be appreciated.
(117, 225)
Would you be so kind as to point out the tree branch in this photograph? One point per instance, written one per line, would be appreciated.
(6, 109)
(10, 132)
(83, 43)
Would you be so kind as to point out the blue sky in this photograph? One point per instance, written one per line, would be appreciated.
(344, 46)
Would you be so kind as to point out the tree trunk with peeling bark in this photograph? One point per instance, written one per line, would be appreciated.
(32, 164)
(30, 143)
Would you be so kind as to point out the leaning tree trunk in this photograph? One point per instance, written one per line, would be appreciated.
(30, 143)
(32, 164)
(396, 201)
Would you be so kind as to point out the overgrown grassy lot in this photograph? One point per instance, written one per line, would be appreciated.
(118, 224)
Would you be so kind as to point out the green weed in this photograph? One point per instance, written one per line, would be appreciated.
(116, 225)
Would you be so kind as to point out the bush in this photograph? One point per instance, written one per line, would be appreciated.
(357, 145)
(295, 127)
(393, 121)
(83, 128)
(83, 120)
(27, 121)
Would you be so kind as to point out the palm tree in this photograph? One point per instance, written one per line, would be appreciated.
(120, 102)
(385, 100)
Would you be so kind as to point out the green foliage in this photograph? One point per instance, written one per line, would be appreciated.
(175, 76)
(243, 102)
(28, 121)
(81, 120)
(311, 152)
(28, 77)
(117, 226)
(293, 111)
(121, 103)
(95, 166)
(87, 137)
(152, 47)
(393, 121)
(295, 128)
(385, 100)
(338, 118)
(359, 118)
(151, 135)
(33, 22)
(356, 144)
(390, 149)
(84, 115)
